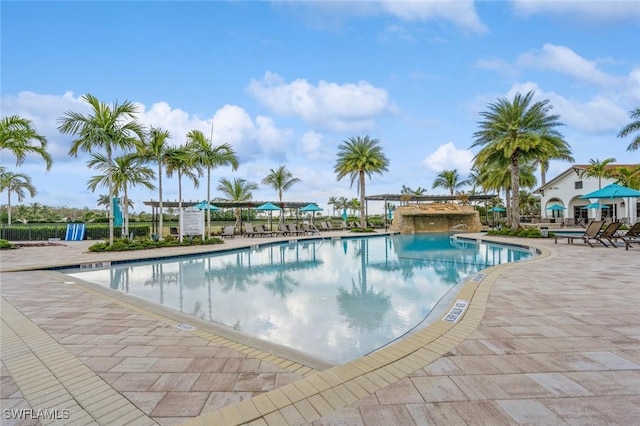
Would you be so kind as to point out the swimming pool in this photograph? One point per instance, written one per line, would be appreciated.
(333, 299)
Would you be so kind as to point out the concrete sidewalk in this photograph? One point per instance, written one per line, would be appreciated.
(550, 341)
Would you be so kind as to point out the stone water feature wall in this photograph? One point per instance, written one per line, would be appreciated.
(435, 217)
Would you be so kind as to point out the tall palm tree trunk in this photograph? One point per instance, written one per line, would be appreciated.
(111, 191)
(180, 224)
(9, 204)
(160, 224)
(515, 192)
(209, 201)
(126, 213)
(363, 218)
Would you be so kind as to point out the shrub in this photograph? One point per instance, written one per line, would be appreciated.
(522, 233)
(362, 230)
(145, 244)
(4, 244)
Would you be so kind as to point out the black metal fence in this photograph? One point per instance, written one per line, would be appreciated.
(44, 232)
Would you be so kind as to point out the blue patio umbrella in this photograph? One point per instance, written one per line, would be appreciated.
(613, 191)
(268, 207)
(117, 212)
(556, 207)
(313, 208)
(203, 205)
(344, 214)
(497, 209)
(594, 206)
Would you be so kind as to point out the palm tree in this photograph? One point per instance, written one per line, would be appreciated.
(629, 177)
(449, 180)
(17, 135)
(529, 202)
(182, 162)
(103, 200)
(563, 153)
(357, 157)
(106, 128)
(354, 205)
(23, 213)
(333, 202)
(598, 169)
(210, 156)
(516, 131)
(281, 180)
(632, 127)
(35, 211)
(496, 176)
(154, 150)
(16, 183)
(126, 171)
(238, 190)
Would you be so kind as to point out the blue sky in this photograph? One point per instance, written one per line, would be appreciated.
(286, 82)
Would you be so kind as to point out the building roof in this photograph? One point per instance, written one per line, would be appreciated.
(577, 169)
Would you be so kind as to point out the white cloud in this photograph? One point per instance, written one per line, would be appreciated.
(176, 120)
(312, 147)
(591, 10)
(598, 114)
(347, 107)
(496, 64)
(461, 13)
(328, 14)
(250, 139)
(44, 111)
(232, 124)
(396, 32)
(447, 157)
(564, 60)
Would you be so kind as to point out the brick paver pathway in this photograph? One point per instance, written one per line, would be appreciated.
(558, 343)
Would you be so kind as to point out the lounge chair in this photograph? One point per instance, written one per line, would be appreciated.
(589, 234)
(258, 230)
(173, 231)
(324, 226)
(609, 233)
(310, 228)
(228, 231)
(249, 230)
(330, 227)
(631, 236)
(282, 229)
(293, 229)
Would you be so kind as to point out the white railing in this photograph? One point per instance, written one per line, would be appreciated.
(457, 228)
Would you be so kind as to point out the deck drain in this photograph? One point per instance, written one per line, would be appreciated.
(184, 327)
(456, 312)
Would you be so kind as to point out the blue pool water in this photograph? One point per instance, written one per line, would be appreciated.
(333, 299)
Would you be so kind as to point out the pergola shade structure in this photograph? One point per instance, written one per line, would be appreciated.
(220, 203)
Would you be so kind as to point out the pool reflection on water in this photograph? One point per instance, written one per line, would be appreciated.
(333, 299)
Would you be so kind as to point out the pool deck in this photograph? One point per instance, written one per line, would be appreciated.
(553, 340)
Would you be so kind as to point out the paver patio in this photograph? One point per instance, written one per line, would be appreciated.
(555, 340)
